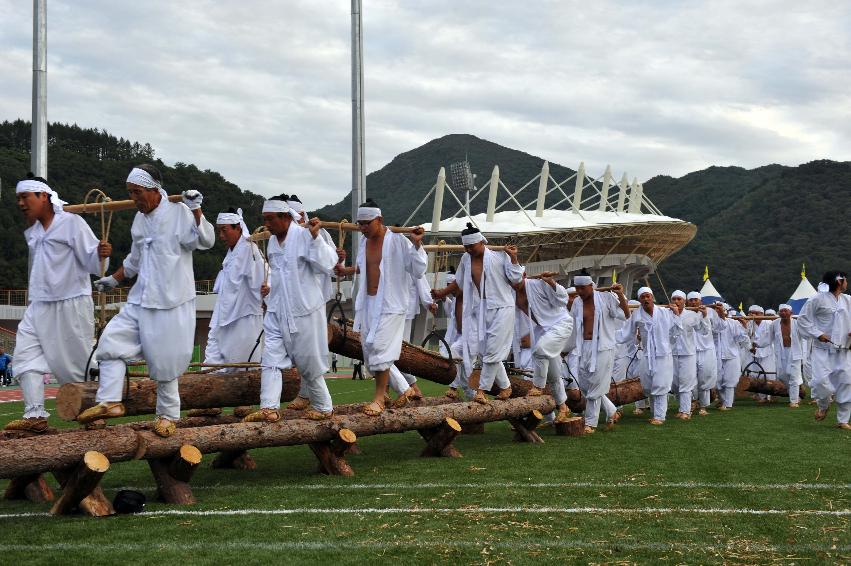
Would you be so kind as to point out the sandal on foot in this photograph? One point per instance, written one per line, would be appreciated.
(263, 416)
(314, 415)
(820, 415)
(372, 409)
(656, 422)
(164, 427)
(480, 398)
(534, 392)
(590, 430)
(562, 416)
(844, 426)
(298, 404)
(703, 412)
(403, 399)
(101, 411)
(37, 425)
(451, 393)
(504, 394)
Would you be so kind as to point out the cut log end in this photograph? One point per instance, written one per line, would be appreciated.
(190, 454)
(348, 436)
(69, 402)
(574, 426)
(96, 462)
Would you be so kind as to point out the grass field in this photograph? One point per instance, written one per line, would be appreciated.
(754, 485)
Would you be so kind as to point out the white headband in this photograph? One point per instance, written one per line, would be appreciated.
(694, 295)
(233, 218)
(784, 306)
(756, 308)
(643, 290)
(450, 277)
(633, 302)
(579, 280)
(273, 205)
(296, 205)
(33, 186)
(678, 293)
(368, 213)
(143, 179)
(571, 290)
(474, 238)
(823, 287)
(770, 312)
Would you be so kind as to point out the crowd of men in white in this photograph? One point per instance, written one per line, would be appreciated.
(578, 337)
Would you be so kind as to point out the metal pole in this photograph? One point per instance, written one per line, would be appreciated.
(358, 173)
(38, 149)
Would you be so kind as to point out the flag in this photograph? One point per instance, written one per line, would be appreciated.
(706, 273)
(614, 277)
(803, 271)
(741, 308)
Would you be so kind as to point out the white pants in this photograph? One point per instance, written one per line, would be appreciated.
(406, 336)
(163, 337)
(234, 342)
(707, 375)
(387, 342)
(306, 348)
(657, 383)
(497, 341)
(595, 384)
(53, 337)
(789, 372)
(546, 357)
(685, 381)
(832, 377)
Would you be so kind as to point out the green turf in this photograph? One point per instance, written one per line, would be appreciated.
(632, 468)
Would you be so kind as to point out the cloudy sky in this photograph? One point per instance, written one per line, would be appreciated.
(260, 90)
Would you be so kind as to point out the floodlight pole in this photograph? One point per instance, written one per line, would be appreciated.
(358, 173)
(38, 145)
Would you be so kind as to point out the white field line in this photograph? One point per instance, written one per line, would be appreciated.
(532, 485)
(734, 546)
(478, 510)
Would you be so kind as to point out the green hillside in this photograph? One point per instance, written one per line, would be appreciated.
(755, 227)
(84, 158)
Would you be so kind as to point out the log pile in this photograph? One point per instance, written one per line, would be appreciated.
(196, 392)
(27, 456)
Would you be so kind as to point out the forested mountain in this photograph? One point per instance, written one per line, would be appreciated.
(80, 159)
(755, 227)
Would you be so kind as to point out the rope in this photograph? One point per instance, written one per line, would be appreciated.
(105, 225)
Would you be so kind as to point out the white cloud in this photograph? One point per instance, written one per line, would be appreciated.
(259, 90)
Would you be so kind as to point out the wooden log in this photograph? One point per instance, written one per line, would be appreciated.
(331, 453)
(357, 408)
(109, 206)
(32, 487)
(196, 392)
(574, 426)
(524, 427)
(81, 482)
(520, 387)
(766, 387)
(626, 392)
(172, 475)
(234, 460)
(439, 440)
(121, 443)
(421, 362)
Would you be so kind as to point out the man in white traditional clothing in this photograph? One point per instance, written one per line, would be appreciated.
(685, 352)
(826, 320)
(731, 338)
(485, 280)
(628, 356)
(545, 303)
(384, 258)
(295, 331)
(762, 355)
(659, 328)
(238, 315)
(420, 296)
(597, 316)
(57, 330)
(158, 321)
(787, 346)
(325, 280)
(705, 356)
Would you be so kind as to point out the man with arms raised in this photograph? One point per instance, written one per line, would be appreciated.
(705, 358)
(597, 316)
(484, 282)
(158, 321)
(384, 258)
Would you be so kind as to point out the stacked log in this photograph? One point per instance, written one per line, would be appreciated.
(196, 392)
(25, 456)
(520, 387)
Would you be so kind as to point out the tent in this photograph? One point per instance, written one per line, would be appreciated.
(710, 294)
(804, 291)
